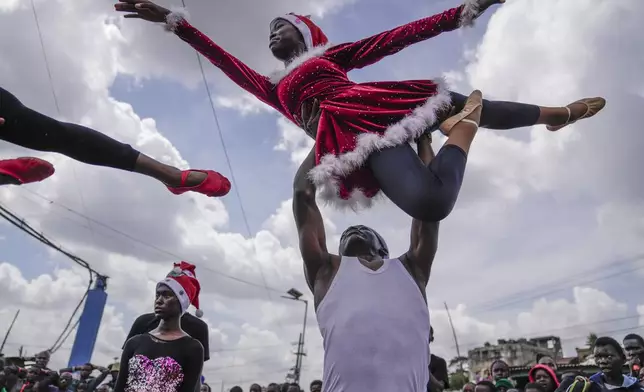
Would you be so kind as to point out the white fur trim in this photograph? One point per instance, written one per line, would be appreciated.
(177, 289)
(302, 27)
(469, 13)
(317, 51)
(332, 168)
(176, 270)
(175, 17)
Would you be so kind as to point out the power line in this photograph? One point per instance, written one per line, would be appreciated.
(144, 243)
(230, 167)
(26, 228)
(493, 306)
(56, 102)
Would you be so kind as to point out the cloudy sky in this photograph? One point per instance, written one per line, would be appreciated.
(545, 239)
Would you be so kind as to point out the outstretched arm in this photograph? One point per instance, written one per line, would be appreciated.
(308, 219)
(370, 50)
(424, 235)
(236, 70)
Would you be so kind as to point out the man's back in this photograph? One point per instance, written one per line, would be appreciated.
(375, 326)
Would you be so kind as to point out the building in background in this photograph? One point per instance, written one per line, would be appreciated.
(516, 352)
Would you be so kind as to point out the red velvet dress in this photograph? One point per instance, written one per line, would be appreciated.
(356, 118)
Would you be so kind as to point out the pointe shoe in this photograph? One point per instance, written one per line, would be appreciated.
(593, 106)
(215, 184)
(27, 169)
(474, 102)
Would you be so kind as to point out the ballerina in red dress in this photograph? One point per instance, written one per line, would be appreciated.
(362, 143)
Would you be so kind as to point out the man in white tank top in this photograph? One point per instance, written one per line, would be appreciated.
(371, 309)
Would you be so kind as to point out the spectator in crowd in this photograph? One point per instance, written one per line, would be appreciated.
(634, 347)
(65, 382)
(114, 374)
(42, 359)
(192, 325)
(236, 388)
(166, 358)
(316, 386)
(545, 376)
(255, 388)
(547, 360)
(503, 385)
(438, 375)
(468, 387)
(273, 387)
(485, 386)
(294, 388)
(205, 388)
(610, 358)
(499, 369)
(533, 387)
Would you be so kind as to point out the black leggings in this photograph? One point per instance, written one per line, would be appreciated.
(428, 193)
(30, 129)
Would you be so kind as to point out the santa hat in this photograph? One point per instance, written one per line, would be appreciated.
(182, 280)
(313, 35)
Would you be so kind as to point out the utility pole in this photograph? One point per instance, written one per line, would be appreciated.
(6, 336)
(298, 362)
(451, 324)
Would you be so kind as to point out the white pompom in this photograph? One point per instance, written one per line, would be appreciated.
(199, 313)
(176, 270)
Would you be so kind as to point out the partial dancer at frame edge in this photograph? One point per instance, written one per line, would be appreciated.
(28, 128)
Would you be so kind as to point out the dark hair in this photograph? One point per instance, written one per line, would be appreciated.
(488, 384)
(634, 336)
(236, 388)
(608, 341)
(316, 382)
(207, 386)
(533, 385)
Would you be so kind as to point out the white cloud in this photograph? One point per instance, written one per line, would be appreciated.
(530, 206)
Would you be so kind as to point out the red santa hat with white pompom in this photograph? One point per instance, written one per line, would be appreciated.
(182, 280)
(313, 35)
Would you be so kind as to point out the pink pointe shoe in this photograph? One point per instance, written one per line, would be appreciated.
(215, 184)
(26, 169)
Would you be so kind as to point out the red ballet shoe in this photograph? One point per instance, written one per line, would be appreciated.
(26, 169)
(215, 185)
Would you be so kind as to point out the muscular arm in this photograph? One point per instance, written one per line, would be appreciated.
(309, 222)
(308, 219)
(424, 235)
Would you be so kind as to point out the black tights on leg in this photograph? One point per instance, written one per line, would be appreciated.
(501, 114)
(30, 129)
(427, 193)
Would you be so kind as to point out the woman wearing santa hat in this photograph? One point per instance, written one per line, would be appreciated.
(362, 143)
(165, 359)
(28, 128)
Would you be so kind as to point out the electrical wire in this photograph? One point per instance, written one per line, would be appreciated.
(142, 242)
(56, 102)
(230, 168)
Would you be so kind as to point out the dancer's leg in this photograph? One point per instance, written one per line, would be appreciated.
(427, 193)
(30, 129)
(509, 115)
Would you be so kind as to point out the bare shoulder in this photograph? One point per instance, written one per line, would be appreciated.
(325, 277)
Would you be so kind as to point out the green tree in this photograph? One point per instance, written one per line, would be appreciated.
(458, 380)
(591, 339)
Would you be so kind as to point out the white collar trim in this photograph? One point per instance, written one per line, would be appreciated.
(317, 51)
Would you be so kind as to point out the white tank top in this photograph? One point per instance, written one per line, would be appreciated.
(375, 328)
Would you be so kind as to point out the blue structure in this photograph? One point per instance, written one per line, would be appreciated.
(89, 323)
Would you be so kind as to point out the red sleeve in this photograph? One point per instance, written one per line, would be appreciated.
(236, 70)
(370, 50)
